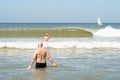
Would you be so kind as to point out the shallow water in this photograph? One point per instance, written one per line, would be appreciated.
(78, 64)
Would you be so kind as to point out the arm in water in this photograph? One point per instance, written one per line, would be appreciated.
(32, 60)
(51, 60)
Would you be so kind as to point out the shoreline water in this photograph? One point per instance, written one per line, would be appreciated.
(82, 58)
(78, 64)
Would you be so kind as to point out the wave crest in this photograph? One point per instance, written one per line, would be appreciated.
(70, 44)
(108, 31)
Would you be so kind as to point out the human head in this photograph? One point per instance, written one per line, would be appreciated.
(46, 34)
(40, 44)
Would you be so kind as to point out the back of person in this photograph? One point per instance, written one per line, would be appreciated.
(41, 58)
(41, 55)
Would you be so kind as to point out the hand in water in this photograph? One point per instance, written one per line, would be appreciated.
(55, 65)
(29, 67)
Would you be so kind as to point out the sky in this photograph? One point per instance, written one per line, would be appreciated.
(59, 11)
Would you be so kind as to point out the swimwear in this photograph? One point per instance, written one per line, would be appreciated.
(40, 65)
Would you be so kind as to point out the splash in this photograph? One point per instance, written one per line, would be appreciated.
(62, 44)
(108, 31)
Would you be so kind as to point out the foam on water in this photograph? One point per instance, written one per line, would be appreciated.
(62, 44)
(108, 31)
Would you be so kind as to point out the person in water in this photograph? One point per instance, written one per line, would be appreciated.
(46, 37)
(40, 58)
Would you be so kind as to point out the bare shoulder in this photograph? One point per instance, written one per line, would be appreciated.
(36, 51)
(44, 49)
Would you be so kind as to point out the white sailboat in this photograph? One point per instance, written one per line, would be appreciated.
(99, 21)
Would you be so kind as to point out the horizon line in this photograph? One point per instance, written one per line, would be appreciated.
(60, 22)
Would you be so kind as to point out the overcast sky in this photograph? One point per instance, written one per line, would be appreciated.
(82, 11)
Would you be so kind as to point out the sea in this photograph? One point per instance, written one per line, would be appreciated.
(95, 57)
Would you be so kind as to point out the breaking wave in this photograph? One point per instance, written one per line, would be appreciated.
(62, 44)
(108, 31)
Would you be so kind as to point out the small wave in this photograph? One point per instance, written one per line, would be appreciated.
(19, 45)
(108, 31)
(64, 44)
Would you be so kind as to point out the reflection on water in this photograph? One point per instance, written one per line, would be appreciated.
(73, 64)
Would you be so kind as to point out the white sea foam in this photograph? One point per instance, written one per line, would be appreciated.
(21, 45)
(62, 44)
(83, 45)
(108, 31)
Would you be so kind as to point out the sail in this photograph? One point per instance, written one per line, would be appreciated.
(99, 21)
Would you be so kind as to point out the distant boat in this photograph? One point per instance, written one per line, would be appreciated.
(99, 21)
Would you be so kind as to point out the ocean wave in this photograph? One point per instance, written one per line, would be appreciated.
(63, 44)
(59, 32)
(108, 31)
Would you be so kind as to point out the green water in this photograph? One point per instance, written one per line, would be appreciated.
(64, 32)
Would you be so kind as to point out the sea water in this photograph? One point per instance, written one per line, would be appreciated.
(78, 58)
